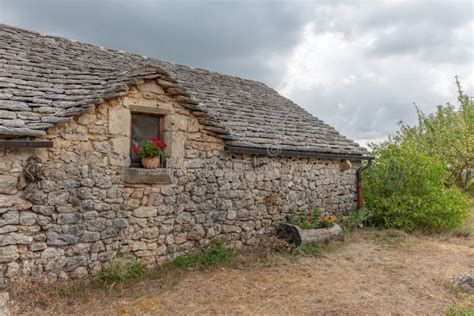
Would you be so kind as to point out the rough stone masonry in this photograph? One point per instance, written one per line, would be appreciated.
(81, 214)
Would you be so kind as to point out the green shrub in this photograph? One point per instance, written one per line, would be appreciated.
(405, 189)
(214, 254)
(124, 269)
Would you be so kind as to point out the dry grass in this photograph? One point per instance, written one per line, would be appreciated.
(371, 272)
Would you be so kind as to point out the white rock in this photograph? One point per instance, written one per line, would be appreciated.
(145, 211)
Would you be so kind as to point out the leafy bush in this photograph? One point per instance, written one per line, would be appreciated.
(405, 189)
(314, 220)
(216, 253)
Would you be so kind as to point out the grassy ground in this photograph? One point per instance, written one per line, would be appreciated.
(374, 272)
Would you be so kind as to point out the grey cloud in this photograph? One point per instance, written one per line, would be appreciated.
(240, 37)
(223, 36)
(447, 13)
(403, 28)
(423, 28)
(368, 110)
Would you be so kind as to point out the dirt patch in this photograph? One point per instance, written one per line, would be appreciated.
(371, 272)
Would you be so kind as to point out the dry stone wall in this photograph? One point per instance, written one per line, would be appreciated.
(81, 214)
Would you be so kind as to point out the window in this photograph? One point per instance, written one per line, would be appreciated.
(143, 127)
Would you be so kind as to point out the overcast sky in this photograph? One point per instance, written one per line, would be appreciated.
(358, 66)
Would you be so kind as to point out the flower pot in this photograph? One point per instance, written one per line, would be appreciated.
(151, 163)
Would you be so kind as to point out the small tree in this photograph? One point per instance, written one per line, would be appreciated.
(447, 134)
(419, 173)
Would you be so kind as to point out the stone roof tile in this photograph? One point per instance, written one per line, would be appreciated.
(46, 80)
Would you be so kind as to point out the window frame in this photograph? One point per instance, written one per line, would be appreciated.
(149, 111)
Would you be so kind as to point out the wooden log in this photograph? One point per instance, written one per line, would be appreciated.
(296, 235)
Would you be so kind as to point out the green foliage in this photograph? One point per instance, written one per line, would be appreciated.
(214, 254)
(405, 188)
(448, 135)
(150, 150)
(419, 173)
(124, 269)
(459, 310)
(314, 220)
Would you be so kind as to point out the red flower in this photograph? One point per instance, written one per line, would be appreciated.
(161, 144)
(158, 142)
(136, 149)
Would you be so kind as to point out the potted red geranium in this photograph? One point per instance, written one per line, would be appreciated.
(151, 152)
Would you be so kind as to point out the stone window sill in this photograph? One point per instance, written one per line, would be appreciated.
(146, 176)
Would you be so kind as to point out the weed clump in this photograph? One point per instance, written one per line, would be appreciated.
(214, 254)
(124, 269)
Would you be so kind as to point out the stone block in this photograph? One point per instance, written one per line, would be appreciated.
(8, 254)
(43, 210)
(55, 239)
(51, 253)
(139, 245)
(145, 211)
(107, 255)
(121, 146)
(80, 273)
(119, 121)
(120, 223)
(86, 119)
(8, 184)
(8, 229)
(119, 162)
(58, 198)
(12, 270)
(161, 250)
(78, 261)
(27, 218)
(37, 246)
(7, 115)
(69, 218)
(146, 176)
(231, 214)
(151, 87)
(9, 218)
(89, 237)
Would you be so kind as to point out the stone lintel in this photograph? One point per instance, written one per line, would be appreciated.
(146, 176)
(149, 110)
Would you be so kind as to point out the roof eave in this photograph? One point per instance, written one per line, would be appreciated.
(296, 153)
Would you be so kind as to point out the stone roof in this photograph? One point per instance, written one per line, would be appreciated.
(46, 80)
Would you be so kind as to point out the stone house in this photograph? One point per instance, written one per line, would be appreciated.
(73, 196)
